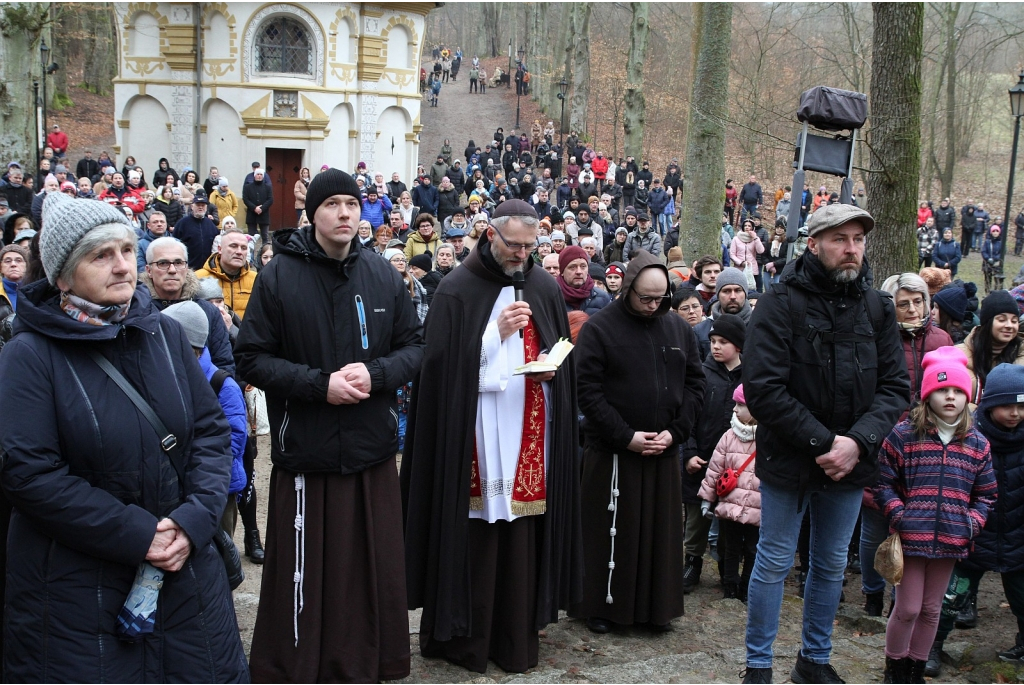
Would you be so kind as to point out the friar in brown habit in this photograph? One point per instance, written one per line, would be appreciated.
(330, 334)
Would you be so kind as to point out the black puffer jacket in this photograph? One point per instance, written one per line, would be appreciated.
(833, 374)
(301, 324)
(89, 481)
(999, 546)
(714, 420)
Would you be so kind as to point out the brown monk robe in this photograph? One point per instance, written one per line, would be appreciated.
(640, 390)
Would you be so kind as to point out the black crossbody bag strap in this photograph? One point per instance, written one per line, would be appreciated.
(168, 442)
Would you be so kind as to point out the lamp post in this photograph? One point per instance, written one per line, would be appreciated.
(44, 55)
(1017, 110)
(509, 84)
(563, 88)
(519, 83)
(35, 107)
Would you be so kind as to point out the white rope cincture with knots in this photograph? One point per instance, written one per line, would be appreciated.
(300, 552)
(613, 506)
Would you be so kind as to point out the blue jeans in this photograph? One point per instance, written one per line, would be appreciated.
(664, 224)
(874, 529)
(833, 518)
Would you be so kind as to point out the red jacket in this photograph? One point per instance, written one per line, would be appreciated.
(923, 215)
(58, 141)
(600, 167)
(125, 196)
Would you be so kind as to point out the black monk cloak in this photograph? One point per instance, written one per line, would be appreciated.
(439, 449)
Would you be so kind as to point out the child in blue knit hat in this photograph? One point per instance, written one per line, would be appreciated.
(999, 547)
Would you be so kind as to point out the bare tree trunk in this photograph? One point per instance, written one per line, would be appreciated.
(705, 145)
(946, 175)
(580, 66)
(101, 54)
(636, 107)
(21, 26)
(895, 135)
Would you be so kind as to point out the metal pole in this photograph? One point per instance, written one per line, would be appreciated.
(1009, 193)
(509, 84)
(44, 107)
(35, 107)
(519, 91)
(561, 132)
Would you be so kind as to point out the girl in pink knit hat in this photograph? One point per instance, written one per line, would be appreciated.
(739, 510)
(936, 489)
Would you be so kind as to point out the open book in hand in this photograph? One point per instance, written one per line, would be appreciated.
(554, 359)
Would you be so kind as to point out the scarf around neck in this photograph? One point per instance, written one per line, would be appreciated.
(93, 314)
(576, 296)
(744, 432)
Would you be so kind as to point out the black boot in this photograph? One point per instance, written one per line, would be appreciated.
(968, 618)
(253, 546)
(895, 670)
(915, 671)
(933, 667)
(691, 573)
(873, 602)
(730, 591)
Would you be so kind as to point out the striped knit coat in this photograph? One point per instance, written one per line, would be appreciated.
(937, 497)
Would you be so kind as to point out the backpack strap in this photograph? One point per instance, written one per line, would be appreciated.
(217, 380)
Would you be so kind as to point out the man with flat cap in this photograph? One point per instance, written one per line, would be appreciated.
(490, 474)
(826, 380)
(330, 334)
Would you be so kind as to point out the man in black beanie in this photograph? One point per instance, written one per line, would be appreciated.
(330, 334)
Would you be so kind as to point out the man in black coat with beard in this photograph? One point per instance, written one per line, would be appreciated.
(826, 379)
(491, 488)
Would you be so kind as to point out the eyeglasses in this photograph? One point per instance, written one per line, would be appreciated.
(905, 305)
(515, 247)
(690, 308)
(647, 299)
(165, 264)
(398, 259)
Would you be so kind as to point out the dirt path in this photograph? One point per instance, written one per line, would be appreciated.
(462, 116)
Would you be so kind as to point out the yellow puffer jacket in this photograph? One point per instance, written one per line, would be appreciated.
(226, 204)
(237, 290)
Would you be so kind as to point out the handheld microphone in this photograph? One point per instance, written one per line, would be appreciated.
(518, 281)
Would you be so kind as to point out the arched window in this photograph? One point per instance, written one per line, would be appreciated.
(284, 46)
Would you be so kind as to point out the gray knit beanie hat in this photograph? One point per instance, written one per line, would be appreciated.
(193, 319)
(209, 289)
(731, 276)
(67, 220)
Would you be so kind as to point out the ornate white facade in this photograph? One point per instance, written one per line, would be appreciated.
(335, 82)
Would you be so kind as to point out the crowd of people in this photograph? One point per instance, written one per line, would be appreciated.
(760, 405)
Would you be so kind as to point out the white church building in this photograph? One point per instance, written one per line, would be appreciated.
(283, 84)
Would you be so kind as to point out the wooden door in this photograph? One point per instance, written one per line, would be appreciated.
(283, 166)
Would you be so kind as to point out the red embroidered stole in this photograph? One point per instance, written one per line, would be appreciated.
(529, 491)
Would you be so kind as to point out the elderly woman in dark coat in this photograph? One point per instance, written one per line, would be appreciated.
(94, 494)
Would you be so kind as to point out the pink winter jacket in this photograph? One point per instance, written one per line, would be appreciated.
(743, 504)
(745, 253)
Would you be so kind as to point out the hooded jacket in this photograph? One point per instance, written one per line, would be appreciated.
(638, 373)
(829, 374)
(237, 289)
(89, 482)
(365, 315)
(999, 546)
(160, 175)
